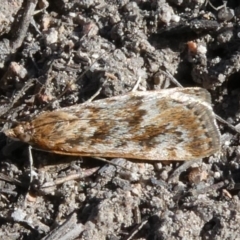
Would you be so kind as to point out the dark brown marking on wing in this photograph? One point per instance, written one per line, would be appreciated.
(174, 125)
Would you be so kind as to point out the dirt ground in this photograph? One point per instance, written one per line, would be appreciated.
(60, 53)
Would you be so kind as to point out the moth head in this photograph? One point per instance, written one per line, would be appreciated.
(21, 132)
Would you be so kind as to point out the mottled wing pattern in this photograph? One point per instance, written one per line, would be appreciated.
(172, 124)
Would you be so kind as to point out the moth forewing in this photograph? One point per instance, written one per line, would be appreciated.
(171, 124)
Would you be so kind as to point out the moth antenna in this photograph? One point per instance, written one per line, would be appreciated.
(174, 80)
(227, 123)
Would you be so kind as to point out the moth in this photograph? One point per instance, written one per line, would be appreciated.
(170, 124)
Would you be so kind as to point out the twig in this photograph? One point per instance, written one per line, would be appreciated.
(23, 24)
